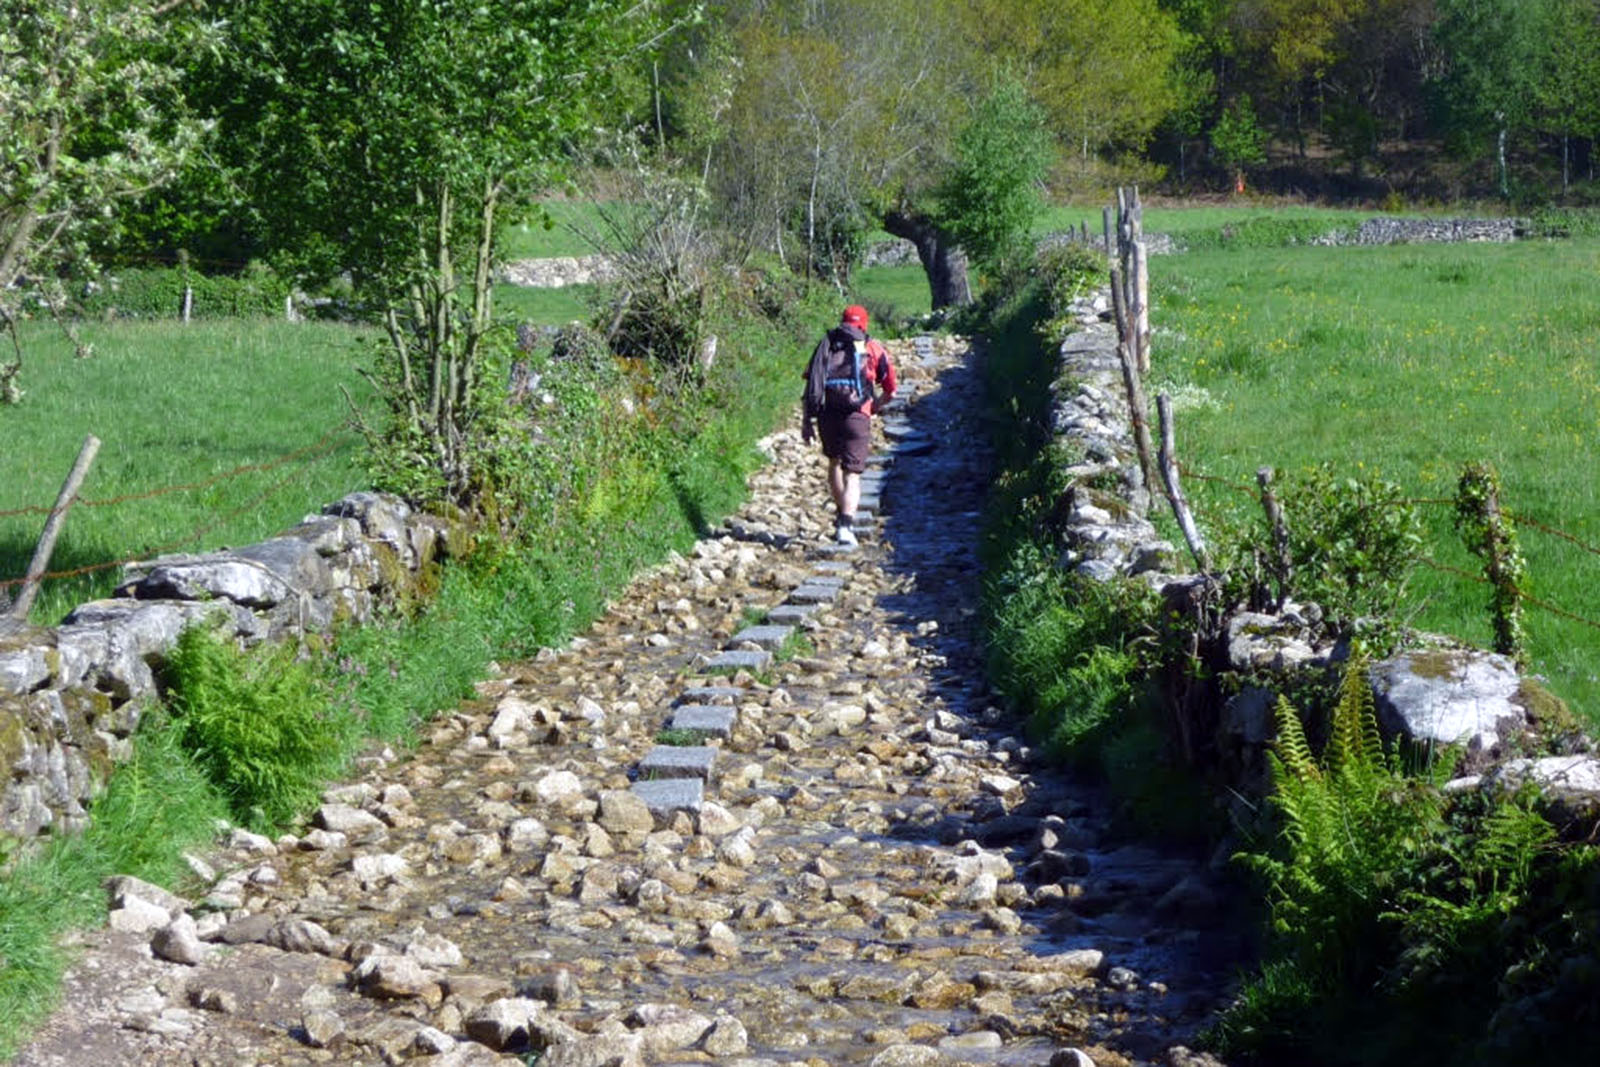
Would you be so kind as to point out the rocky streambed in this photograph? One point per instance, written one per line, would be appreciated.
(764, 811)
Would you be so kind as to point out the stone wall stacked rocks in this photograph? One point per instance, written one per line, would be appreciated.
(1440, 693)
(71, 696)
(1395, 231)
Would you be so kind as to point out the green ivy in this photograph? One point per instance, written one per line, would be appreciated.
(1490, 534)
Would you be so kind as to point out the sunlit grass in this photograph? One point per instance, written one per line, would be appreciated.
(1410, 362)
(176, 405)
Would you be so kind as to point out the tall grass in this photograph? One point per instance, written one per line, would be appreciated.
(157, 805)
(175, 405)
(1410, 362)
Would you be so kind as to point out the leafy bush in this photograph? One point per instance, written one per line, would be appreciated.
(261, 726)
(1068, 271)
(1352, 543)
(1407, 924)
(157, 293)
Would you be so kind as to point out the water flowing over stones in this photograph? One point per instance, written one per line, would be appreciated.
(763, 811)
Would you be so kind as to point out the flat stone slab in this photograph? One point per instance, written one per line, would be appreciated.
(714, 720)
(711, 694)
(663, 796)
(740, 661)
(812, 593)
(880, 459)
(832, 550)
(791, 614)
(678, 761)
(915, 446)
(834, 580)
(833, 566)
(770, 638)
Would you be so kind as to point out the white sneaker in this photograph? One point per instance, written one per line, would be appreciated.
(845, 536)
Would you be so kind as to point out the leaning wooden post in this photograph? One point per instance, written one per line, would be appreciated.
(52, 527)
(1169, 477)
(1138, 409)
(1105, 226)
(1141, 304)
(1282, 562)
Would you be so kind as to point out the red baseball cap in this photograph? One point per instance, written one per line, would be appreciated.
(854, 315)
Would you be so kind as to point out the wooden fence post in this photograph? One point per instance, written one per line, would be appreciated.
(52, 527)
(1169, 476)
(1282, 563)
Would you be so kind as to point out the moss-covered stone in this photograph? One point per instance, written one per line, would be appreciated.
(13, 739)
(1547, 710)
(1437, 664)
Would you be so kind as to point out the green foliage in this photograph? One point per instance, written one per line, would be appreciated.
(1238, 139)
(155, 806)
(92, 118)
(1352, 541)
(987, 201)
(1490, 535)
(1405, 923)
(260, 725)
(157, 293)
(1068, 271)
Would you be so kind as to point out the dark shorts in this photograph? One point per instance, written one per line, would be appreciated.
(846, 438)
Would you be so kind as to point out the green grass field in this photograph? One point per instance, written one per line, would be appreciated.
(1409, 362)
(570, 222)
(175, 405)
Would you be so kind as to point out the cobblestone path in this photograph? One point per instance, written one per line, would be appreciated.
(764, 811)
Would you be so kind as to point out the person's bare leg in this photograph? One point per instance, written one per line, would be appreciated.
(851, 494)
(838, 485)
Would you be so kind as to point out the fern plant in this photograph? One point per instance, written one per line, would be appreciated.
(260, 725)
(1353, 829)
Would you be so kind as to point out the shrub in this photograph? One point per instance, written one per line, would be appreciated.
(260, 725)
(157, 293)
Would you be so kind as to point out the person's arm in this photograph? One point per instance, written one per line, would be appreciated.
(885, 373)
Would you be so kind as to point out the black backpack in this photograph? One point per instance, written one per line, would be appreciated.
(845, 385)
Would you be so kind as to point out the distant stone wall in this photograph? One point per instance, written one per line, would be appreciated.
(1396, 231)
(559, 272)
(71, 696)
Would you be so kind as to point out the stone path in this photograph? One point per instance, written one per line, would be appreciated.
(764, 811)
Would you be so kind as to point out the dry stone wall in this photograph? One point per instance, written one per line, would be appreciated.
(71, 696)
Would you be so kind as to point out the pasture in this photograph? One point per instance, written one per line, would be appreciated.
(1408, 362)
(175, 405)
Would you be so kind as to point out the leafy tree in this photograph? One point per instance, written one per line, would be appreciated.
(91, 120)
(1491, 51)
(843, 114)
(1098, 68)
(1238, 139)
(387, 138)
(989, 198)
(1569, 72)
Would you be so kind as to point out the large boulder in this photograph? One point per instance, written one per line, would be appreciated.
(1450, 696)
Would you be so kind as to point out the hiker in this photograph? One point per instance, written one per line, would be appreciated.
(839, 400)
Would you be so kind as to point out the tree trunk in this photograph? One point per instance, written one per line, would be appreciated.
(944, 263)
(1500, 158)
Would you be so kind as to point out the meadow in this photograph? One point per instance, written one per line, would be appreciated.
(175, 405)
(1407, 363)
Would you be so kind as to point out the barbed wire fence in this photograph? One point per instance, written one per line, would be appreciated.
(290, 466)
(1522, 521)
